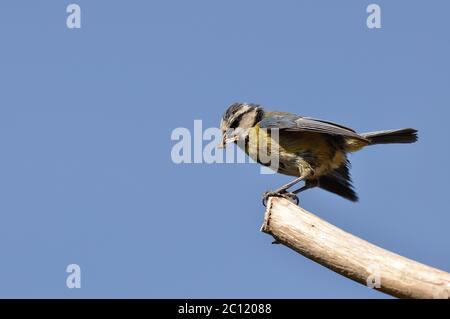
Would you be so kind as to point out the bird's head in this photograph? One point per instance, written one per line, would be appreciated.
(237, 121)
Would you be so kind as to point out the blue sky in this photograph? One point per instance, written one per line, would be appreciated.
(86, 116)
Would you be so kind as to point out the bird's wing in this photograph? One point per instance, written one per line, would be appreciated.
(291, 122)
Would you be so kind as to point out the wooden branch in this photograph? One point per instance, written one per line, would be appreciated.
(351, 256)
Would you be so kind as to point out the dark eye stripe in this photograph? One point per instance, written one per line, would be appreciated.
(236, 121)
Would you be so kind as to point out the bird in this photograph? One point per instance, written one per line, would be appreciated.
(312, 150)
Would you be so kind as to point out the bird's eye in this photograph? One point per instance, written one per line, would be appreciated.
(236, 121)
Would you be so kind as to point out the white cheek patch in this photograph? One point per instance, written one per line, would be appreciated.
(238, 131)
(248, 120)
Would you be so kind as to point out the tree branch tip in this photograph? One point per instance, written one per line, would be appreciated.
(351, 256)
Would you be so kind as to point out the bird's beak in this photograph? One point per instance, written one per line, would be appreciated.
(226, 141)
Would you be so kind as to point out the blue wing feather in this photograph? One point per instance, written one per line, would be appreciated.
(292, 122)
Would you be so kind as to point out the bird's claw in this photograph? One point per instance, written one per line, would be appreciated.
(286, 195)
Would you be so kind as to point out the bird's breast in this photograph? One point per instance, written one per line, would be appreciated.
(295, 150)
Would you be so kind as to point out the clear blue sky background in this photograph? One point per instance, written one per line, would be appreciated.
(86, 116)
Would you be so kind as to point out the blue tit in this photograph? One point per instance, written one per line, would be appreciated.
(314, 151)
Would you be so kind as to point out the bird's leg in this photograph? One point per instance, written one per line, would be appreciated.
(305, 170)
(284, 188)
(309, 183)
(281, 192)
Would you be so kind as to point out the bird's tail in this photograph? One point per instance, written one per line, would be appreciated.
(406, 135)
